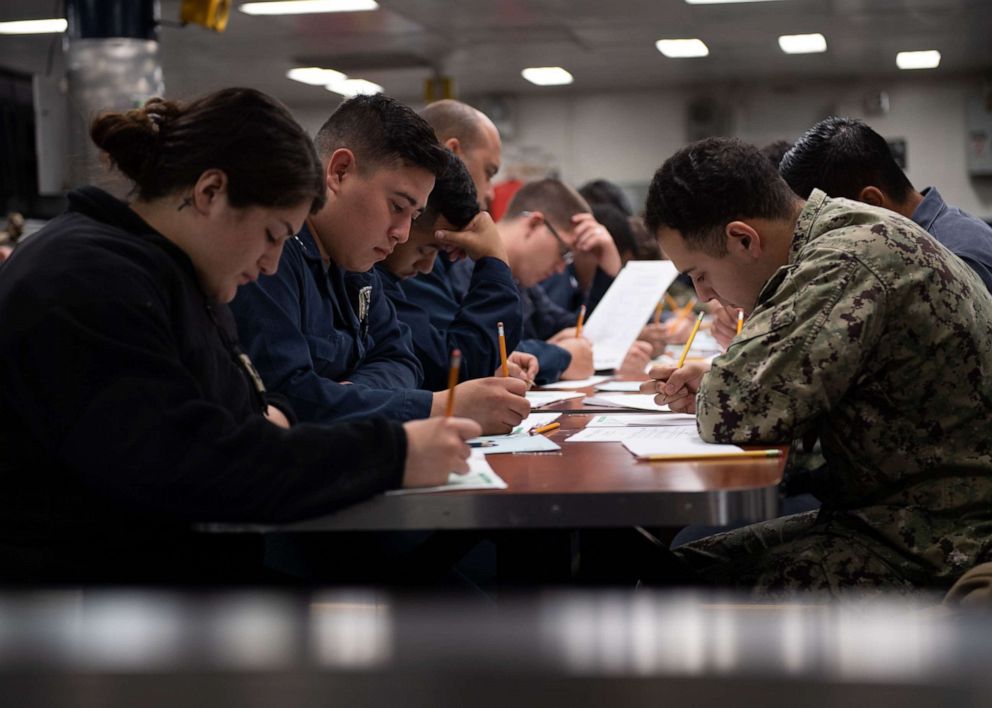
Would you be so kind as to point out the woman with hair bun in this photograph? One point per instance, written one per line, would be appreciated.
(127, 409)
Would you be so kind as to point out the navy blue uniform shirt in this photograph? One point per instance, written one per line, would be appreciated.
(311, 326)
(968, 238)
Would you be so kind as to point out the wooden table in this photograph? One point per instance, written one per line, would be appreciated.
(585, 485)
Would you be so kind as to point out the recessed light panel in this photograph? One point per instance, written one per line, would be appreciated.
(547, 75)
(306, 7)
(33, 27)
(918, 60)
(315, 76)
(802, 43)
(682, 48)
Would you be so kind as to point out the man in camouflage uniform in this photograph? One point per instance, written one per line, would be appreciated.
(864, 331)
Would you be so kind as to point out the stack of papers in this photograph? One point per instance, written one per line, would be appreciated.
(633, 401)
(518, 439)
(479, 476)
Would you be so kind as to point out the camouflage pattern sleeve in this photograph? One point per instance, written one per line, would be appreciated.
(801, 350)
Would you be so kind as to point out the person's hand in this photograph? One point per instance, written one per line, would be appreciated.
(567, 333)
(657, 336)
(676, 387)
(593, 239)
(496, 403)
(582, 364)
(679, 329)
(521, 366)
(635, 363)
(435, 448)
(276, 417)
(477, 240)
(724, 326)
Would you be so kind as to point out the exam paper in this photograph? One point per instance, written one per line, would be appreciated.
(546, 398)
(623, 420)
(621, 386)
(581, 383)
(636, 401)
(518, 439)
(619, 434)
(674, 440)
(480, 476)
(625, 308)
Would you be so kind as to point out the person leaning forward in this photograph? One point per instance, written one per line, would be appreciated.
(863, 330)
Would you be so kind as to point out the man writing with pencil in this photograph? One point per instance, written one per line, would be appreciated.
(862, 330)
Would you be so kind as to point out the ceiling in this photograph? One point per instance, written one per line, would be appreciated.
(483, 44)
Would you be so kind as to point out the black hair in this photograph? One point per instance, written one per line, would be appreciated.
(165, 146)
(710, 183)
(453, 196)
(618, 224)
(381, 131)
(842, 156)
(601, 191)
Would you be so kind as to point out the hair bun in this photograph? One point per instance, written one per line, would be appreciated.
(132, 139)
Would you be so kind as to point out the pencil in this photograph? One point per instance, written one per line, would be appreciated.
(578, 325)
(681, 315)
(482, 443)
(688, 344)
(537, 430)
(658, 309)
(712, 455)
(740, 321)
(672, 302)
(456, 365)
(502, 349)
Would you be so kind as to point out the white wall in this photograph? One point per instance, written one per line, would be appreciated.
(625, 136)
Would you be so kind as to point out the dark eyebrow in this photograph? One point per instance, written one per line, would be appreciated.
(413, 202)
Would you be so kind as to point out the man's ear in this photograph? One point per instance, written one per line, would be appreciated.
(340, 166)
(533, 220)
(208, 189)
(743, 239)
(454, 145)
(873, 196)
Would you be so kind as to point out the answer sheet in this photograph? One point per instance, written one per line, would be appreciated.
(519, 439)
(673, 440)
(580, 383)
(623, 420)
(546, 398)
(625, 309)
(480, 476)
(635, 401)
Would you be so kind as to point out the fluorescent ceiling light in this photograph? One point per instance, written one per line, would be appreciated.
(802, 43)
(918, 60)
(682, 48)
(354, 87)
(306, 7)
(33, 27)
(719, 2)
(547, 75)
(315, 76)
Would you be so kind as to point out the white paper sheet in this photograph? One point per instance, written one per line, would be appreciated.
(618, 434)
(625, 308)
(479, 476)
(636, 401)
(581, 383)
(673, 440)
(519, 440)
(623, 420)
(546, 398)
(621, 386)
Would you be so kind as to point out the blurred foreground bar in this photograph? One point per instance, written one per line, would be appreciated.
(362, 648)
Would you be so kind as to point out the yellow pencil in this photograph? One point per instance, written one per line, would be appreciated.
(658, 309)
(692, 335)
(674, 323)
(456, 364)
(537, 430)
(712, 455)
(502, 349)
(672, 302)
(578, 325)
(740, 321)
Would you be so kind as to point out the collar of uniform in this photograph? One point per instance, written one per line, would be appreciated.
(929, 209)
(804, 224)
(308, 247)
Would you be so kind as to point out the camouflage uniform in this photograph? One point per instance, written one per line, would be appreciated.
(878, 339)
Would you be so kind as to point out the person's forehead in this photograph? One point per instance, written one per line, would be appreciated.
(674, 247)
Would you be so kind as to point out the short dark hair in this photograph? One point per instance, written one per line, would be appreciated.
(842, 156)
(710, 183)
(453, 196)
(776, 151)
(618, 224)
(381, 131)
(553, 198)
(601, 191)
(165, 146)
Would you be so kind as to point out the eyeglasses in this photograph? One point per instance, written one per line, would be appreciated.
(564, 250)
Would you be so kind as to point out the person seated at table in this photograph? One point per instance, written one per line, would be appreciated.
(321, 330)
(844, 157)
(127, 409)
(491, 297)
(861, 331)
(545, 223)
